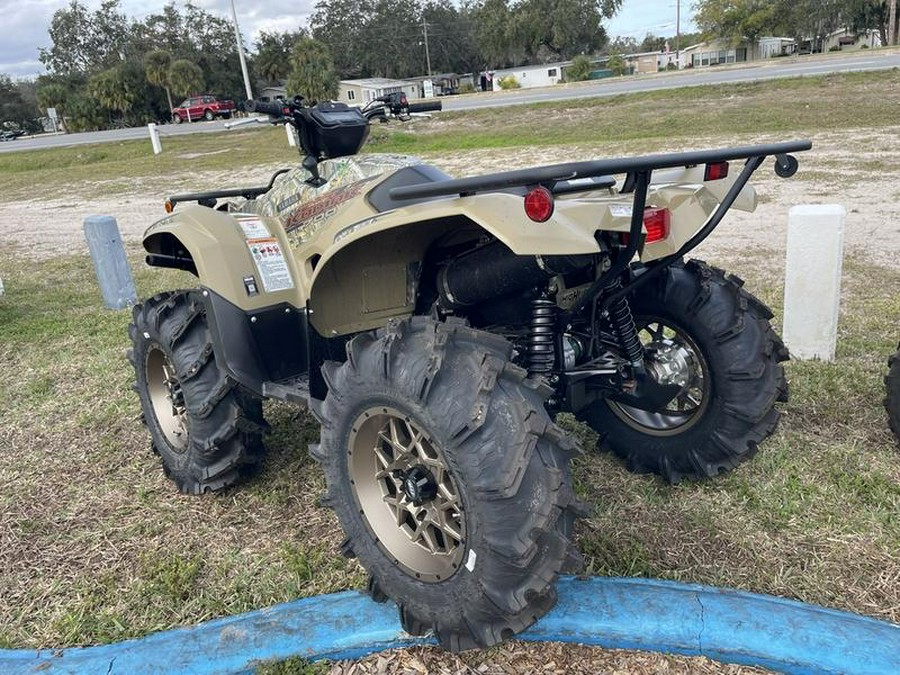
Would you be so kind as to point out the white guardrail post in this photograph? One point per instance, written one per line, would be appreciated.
(154, 138)
(812, 286)
(110, 263)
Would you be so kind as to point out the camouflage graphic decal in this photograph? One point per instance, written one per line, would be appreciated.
(303, 209)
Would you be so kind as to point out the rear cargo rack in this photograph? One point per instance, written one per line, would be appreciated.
(548, 176)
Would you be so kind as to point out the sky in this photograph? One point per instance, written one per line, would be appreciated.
(24, 23)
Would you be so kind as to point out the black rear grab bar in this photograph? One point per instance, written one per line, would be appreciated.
(550, 175)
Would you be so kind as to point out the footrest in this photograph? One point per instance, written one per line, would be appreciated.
(293, 390)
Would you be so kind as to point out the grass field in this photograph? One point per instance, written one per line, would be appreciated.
(96, 545)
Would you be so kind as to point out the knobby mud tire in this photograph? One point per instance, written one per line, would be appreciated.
(509, 464)
(892, 398)
(222, 442)
(731, 329)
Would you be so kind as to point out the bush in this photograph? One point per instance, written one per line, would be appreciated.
(835, 48)
(466, 88)
(580, 69)
(616, 63)
(509, 82)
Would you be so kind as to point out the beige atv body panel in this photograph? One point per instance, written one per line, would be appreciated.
(354, 267)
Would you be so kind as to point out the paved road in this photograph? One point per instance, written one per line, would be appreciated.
(797, 66)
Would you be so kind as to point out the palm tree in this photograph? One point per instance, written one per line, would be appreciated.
(114, 89)
(185, 77)
(313, 74)
(156, 66)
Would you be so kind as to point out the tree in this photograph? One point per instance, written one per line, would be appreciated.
(616, 63)
(737, 20)
(272, 63)
(561, 28)
(580, 70)
(85, 42)
(494, 32)
(312, 71)
(185, 77)
(16, 111)
(116, 89)
(156, 66)
(339, 24)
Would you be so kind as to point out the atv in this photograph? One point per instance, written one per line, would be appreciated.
(434, 327)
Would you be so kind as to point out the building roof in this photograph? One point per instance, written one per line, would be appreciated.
(377, 82)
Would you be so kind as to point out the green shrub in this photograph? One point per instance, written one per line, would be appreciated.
(509, 82)
(580, 69)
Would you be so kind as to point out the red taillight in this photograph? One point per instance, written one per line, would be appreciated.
(716, 171)
(539, 204)
(656, 222)
(403, 100)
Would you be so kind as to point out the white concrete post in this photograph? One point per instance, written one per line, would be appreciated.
(812, 287)
(154, 138)
(110, 263)
(291, 134)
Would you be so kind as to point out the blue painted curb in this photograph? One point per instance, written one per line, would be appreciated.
(727, 625)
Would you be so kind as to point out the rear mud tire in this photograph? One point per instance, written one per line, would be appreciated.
(208, 432)
(742, 355)
(209, 115)
(892, 387)
(505, 464)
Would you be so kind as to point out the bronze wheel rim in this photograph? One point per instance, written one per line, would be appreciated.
(167, 399)
(672, 358)
(406, 493)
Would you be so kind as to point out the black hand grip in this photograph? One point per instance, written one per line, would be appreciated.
(425, 107)
(274, 108)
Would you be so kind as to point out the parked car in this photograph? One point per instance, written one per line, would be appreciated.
(202, 107)
(8, 135)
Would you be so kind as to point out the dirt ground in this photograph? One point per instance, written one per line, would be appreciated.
(840, 169)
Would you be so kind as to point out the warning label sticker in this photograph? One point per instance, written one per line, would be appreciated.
(273, 268)
(254, 228)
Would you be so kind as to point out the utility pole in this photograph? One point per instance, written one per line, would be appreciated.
(678, 34)
(892, 24)
(240, 48)
(427, 55)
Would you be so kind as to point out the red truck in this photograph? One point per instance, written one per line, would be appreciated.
(202, 107)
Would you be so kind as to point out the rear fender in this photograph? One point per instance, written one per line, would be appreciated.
(368, 272)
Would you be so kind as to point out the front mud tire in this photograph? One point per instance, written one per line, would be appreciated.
(892, 387)
(501, 471)
(742, 356)
(207, 431)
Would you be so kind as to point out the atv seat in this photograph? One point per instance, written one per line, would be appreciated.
(380, 197)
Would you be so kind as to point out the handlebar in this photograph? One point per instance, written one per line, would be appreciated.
(431, 106)
(273, 108)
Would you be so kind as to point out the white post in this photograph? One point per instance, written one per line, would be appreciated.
(154, 138)
(291, 134)
(812, 287)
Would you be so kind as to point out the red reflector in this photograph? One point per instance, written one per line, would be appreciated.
(169, 206)
(403, 100)
(716, 171)
(656, 222)
(539, 204)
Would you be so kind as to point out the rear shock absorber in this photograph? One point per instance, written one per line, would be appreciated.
(623, 323)
(542, 337)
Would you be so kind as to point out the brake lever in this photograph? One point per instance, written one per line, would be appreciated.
(249, 120)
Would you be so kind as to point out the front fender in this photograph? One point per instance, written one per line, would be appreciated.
(243, 258)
